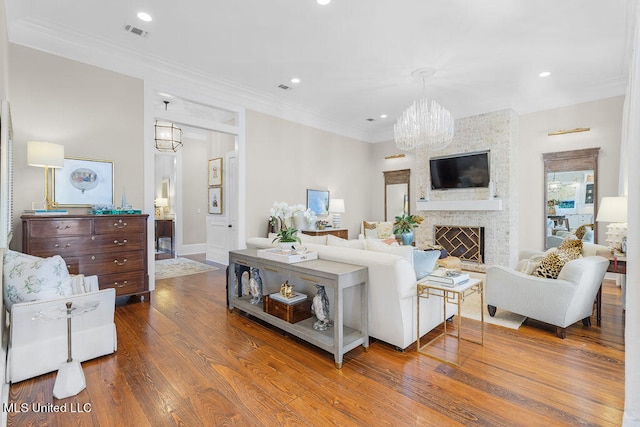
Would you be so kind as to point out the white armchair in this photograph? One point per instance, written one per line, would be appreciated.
(559, 302)
(37, 341)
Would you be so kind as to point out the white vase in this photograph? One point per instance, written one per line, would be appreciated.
(286, 245)
(298, 221)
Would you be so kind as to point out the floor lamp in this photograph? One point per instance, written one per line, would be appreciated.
(45, 155)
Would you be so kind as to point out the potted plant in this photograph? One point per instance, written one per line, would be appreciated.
(287, 237)
(404, 225)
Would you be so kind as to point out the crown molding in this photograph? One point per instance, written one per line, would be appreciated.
(48, 37)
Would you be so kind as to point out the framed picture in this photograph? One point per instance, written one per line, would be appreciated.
(83, 182)
(318, 201)
(215, 171)
(215, 200)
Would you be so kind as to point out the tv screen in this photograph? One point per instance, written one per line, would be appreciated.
(318, 201)
(460, 171)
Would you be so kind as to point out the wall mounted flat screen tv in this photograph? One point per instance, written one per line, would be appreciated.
(469, 170)
(318, 201)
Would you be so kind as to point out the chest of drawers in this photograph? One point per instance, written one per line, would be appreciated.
(113, 247)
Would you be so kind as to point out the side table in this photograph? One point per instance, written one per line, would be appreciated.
(453, 295)
(70, 379)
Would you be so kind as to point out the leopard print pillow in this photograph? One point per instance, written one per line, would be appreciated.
(554, 261)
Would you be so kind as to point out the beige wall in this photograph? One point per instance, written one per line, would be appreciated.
(284, 159)
(604, 117)
(94, 113)
(4, 54)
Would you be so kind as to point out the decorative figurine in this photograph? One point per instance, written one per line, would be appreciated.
(255, 286)
(286, 290)
(320, 307)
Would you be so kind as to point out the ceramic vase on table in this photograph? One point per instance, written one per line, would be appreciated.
(407, 238)
(286, 245)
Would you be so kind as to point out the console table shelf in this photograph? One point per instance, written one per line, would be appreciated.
(305, 276)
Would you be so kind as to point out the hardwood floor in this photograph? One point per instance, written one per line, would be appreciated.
(184, 359)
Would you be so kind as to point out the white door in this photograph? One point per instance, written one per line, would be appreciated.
(222, 230)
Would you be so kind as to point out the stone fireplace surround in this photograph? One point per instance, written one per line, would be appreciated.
(498, 133)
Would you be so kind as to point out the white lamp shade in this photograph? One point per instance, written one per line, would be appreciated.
(44, 154)
(162, 202)
(612, 209)
(336, 205)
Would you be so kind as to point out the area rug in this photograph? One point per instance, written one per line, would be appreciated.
(175, 267)
(471, 309)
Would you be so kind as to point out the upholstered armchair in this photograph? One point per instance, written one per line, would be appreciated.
(36, 291)
(559, 302)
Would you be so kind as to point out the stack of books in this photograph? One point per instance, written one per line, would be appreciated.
(449, 278)
(45, 212)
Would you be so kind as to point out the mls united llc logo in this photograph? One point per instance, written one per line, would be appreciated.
(46, 407)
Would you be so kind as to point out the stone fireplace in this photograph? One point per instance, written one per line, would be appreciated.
(473, 208)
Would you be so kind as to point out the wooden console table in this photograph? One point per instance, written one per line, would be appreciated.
(305, 275)
(343, 233)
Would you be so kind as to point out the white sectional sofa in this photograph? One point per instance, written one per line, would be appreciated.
(392, 290)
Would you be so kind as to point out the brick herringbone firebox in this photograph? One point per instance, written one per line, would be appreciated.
(466, 243)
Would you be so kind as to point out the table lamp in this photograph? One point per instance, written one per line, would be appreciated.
(336, 207)
(45, 155)
(614, 211)
(161, 203)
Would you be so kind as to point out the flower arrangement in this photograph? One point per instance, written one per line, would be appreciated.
(282, 217)
(405, 223)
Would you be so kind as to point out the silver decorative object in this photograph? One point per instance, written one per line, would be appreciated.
(255, 286)
(320, 307)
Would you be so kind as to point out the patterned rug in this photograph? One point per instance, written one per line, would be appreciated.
(175, 267)
(471, 309)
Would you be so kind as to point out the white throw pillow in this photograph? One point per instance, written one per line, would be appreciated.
(318, 240)
(29, 278)
(405, 252)
(337, 241)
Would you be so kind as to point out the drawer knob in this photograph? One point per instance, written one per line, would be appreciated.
(120, 285)
(60, 227)
(123, 262)
(68, 245)
(93, 257)
(120, 224)
(124, 242)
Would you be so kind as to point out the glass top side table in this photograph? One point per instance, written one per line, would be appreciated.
(70, 379)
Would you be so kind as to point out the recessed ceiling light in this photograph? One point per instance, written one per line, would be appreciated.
(383, 116)
(545, 74)
(323, 2)
(295, 80)
(144, 16)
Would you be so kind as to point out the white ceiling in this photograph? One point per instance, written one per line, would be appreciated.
(355, 57)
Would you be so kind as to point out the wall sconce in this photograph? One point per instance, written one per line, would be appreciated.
(45, 155)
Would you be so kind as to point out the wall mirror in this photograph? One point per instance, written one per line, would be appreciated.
(571, 198)
(397, 198)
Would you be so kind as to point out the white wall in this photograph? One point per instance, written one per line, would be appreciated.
(94, 113)
(604, 117)
(284, 159)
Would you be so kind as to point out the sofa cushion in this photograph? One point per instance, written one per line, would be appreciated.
(424, 262)
(377, 230)
(318, 240)
(553, 262)
(405, 252)
(29, 278)
(344, 243)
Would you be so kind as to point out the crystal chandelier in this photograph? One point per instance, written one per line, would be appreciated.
(168, 136)
(424, 125)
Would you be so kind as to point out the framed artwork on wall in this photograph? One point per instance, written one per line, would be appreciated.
(215, 200)
(83, 182)
(215, 171)
(318, 201)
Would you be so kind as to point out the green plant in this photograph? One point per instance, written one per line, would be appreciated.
(405, 223)
(287, 235)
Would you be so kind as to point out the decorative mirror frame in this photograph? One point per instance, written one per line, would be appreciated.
(402, 176)
(566, 161)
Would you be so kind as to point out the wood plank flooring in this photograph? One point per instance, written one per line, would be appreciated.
(184, 359)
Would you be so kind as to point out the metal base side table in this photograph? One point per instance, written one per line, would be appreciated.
(453, 295)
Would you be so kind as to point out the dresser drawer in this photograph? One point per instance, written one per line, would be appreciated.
(119, 225)
(59, 227)
(113, 262)
(65, 246)
(123, 283)
(115, 243)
